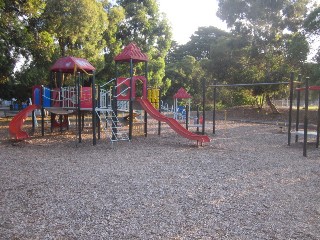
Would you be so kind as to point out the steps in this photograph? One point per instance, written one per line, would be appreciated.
(112, 126)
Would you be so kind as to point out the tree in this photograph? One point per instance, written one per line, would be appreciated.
(272, 30)
(144, 25)
(78, 27)
(187, 73)
(15, 18)
(312, 28)
(312, 22)
(228, 59)
(201, 41)
(116, 15)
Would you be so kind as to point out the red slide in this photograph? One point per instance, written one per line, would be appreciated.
(176, 126)
(16, 123)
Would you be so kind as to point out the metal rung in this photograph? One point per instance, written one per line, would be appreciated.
(109, 120)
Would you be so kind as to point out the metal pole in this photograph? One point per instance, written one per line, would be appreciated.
(198, 116)
(298, 108)
(214, 107)
(42, 109)
(306, 108)
(247, 84)
(290, 108)
(60, 115)
(98, 105)
(145, 112)
(159, 122)
(79, 110)
(94, 116)
(318, 124)
(114, 106)
(187, 117)
(203, 105)
(131, 101)
(114, 116)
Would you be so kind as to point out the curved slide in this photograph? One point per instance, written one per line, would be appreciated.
(176, 126)
(16, 123)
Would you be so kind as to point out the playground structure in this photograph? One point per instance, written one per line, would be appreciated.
(306, 131)
(181, 112)
(102, 101)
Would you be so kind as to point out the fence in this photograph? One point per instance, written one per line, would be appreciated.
(286, 103)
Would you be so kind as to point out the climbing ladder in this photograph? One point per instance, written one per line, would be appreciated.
(111, 122)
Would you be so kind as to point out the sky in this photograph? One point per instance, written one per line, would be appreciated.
(186, 16)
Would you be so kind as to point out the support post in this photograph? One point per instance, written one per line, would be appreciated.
(145, 112)
(298, 107)
(131, 101)
(318, 124)
(114, 105)
(306, 108)
(145, 124)
(42, 110)
(187, 117)
(98, 105)
(159, 122)
(33, 116)
(214, 107)
(203, 105)
(78, 108)
(290, 107)
(94, 116)
(198, 116)
(61, 104)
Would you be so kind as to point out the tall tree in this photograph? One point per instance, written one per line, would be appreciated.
(77, 26)
(312, 28)
(271, 29)
(15, 18)
(116, 15)
(265, 22)
(146, 26)
(187, 73)
(201, 41)
(312, 22)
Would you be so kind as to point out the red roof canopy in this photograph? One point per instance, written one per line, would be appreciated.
(131, 51)
(69, 64)
(182, 93)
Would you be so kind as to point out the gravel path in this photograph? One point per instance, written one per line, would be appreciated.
(246, 184)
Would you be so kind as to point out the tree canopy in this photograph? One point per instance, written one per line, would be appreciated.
(15, 21)
(140, 22)
(266, 40)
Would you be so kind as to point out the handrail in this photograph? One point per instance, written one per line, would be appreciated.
(122, 82)
(108, 82)
(122, 91)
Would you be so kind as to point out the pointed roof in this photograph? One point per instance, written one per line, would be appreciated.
(69, 64)
(182, 93)
(131, 51)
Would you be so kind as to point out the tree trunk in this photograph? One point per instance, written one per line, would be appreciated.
(271, 105)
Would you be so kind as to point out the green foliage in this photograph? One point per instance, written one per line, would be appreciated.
(116, 14)
(188, 74)
(312, 22)
(15, 34)
(78, 26)
(230, 97)
(201, 41)
(265, 45)
(198, 46)
(296, 49)
(144, 25)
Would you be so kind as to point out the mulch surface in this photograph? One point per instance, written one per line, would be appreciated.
(247, 183)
